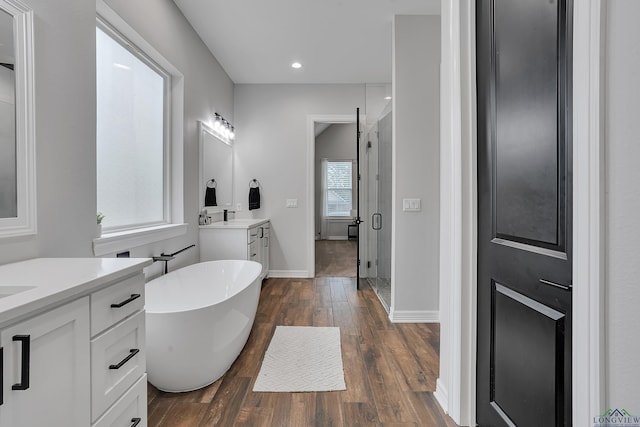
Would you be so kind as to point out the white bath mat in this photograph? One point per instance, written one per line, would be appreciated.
(302, 358)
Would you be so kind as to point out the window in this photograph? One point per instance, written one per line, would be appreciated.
(133, 117)
(339, 193)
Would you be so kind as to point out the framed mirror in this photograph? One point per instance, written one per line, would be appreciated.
(216, 170)
(17, 145)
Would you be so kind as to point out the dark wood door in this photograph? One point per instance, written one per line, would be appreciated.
(524, 212)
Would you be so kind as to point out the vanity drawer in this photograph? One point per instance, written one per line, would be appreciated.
(117, 361)
(128, 409)
(252, 234)
(112, 304)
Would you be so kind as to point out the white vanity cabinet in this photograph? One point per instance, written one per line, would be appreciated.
(237, 239)
(73, 343)
(46, 365)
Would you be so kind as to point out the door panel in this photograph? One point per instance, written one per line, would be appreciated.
(524, 212)
(526, 86)
(527, 356)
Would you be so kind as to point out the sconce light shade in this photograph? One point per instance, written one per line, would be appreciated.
(223, 128)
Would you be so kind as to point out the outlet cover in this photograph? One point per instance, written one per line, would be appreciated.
(292, 203)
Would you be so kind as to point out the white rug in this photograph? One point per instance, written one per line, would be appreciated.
(302, 358)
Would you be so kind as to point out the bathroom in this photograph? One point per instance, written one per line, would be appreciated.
(271, 121)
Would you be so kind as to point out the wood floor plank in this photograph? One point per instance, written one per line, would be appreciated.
(389, 397)
(322, 316)
(410, 374)
(184, 414)
(303, 409)
(328, 410)
(355, 374)
(225, 407)
(254, 417)
(428, 411)
(359, 414)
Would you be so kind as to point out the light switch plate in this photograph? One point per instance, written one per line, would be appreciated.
(292, 203)
(411, 205)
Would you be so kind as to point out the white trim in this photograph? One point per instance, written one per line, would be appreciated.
(451, 210)
(295, 274)
(311, 170)
(414, 316)
(114, 242)
(25, 221)
(441, 394)
(588, 384)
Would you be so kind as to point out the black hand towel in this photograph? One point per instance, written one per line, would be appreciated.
(210, 197)
(254, 198)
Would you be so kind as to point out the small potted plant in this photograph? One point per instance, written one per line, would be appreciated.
(99, 218)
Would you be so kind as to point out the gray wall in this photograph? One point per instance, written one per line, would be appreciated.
(65, 120)
(416, 107)
(271, 146)
(622, 127)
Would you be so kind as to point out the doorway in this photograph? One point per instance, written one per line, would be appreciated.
(335, 192)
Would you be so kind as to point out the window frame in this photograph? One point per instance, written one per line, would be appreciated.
(114, 239)
(130, 46)
(327, 189)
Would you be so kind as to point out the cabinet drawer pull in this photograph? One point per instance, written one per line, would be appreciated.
(127, 301)
(26, 350)
(135, 421)
(132, 353)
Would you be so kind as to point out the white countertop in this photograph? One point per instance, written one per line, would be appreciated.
(236, 223)
(54, 280)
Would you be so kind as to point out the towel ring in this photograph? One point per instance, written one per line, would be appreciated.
(212, 183)
(254, 183)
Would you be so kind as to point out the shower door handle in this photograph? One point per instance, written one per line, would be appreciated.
(376, 221)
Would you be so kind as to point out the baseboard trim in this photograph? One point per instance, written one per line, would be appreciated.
(289, 274)
(441, 396)
(414, 316)
(338, 238)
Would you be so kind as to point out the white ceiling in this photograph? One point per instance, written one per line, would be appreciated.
(337, 41)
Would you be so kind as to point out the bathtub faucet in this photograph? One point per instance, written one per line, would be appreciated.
(168, 257)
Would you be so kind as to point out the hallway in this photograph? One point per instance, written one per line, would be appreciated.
(390, 369)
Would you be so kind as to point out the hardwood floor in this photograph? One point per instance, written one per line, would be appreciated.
(390, 369)
(336, 258)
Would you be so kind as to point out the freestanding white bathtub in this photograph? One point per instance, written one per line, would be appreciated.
(198, 320)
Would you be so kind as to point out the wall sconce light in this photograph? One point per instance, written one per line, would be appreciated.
(223, 128)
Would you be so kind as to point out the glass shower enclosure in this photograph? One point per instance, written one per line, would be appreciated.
(378, 135)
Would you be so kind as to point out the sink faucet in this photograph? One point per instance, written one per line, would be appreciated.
(226, 213)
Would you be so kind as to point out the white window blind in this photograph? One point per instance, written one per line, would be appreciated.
(339, 188)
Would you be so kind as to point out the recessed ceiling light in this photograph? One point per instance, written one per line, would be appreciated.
(296, 65)
(387, 98)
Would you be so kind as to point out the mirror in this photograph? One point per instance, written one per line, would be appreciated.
(8, 183)
(17, 151)
(216, 170)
